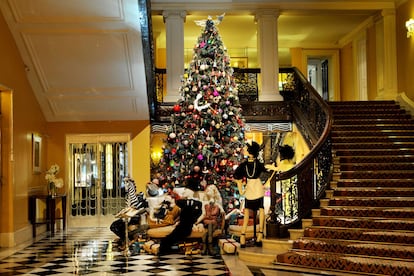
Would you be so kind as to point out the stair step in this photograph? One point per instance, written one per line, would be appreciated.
(257, 255)
(357, 211)
(360, 264)
(376, 166)
(375, 183)
(389, 118)
(376, 159)
(361, 132)
(372, 152)
(361, 234)
(370, 145)
(374, 192)
(364, 222)
(375, 128)
(372, 139)
(392, 174)
(372, 202)
(400, 251)
(361, 104)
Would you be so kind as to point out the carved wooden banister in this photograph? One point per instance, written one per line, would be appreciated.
(304, 184)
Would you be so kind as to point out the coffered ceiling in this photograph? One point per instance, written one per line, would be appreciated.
(85, 62)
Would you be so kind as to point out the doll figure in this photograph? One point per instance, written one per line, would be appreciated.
(252, 189)
(210, 217)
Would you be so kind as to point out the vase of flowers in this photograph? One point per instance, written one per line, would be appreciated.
(52, 181)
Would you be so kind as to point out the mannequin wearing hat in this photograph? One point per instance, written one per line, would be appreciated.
(252, 189)
(167, 213)
(190, 211)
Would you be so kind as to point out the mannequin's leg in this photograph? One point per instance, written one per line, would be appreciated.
(244, 228)
(261, 227)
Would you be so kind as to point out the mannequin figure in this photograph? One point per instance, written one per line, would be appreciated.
(253, 190)
(166, 214)
(190, 212)
(136, 204)
(212, 208)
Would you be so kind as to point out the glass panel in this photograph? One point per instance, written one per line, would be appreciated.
(98, 171)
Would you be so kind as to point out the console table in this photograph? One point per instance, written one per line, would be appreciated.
(50, 219)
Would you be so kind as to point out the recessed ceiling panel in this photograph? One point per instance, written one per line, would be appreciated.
(73, 62)
(97, 109)
(66, 11)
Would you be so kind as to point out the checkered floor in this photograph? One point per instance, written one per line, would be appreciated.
(82, 251)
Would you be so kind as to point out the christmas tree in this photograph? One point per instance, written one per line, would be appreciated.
(206, 135)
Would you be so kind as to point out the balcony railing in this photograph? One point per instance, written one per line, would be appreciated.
(246, 78)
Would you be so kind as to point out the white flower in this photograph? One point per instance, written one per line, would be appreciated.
(58, 182)
(51, 176)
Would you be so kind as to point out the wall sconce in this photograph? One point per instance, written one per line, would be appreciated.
(410, 27)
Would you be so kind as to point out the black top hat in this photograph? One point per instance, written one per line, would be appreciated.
(253, 149)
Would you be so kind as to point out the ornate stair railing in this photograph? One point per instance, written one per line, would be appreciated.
(304, 184)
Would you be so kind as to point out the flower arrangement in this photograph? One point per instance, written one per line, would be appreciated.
(52, 181)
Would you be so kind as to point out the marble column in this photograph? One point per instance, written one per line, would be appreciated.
(267, 40)
(174, 27)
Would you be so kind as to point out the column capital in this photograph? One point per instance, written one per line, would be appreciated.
(387, 12)
(262, 13)
(174, 14)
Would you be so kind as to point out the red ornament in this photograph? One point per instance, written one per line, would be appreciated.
(177, 108)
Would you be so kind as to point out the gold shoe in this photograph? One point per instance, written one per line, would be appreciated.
(243, 240)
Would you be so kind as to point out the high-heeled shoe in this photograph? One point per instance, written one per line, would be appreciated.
(243, 240)
(259, 238)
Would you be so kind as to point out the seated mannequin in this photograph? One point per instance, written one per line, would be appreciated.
(191, 210)
(166, 214)
(211, 211)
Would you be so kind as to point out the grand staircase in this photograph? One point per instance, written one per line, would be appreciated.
(365, 225)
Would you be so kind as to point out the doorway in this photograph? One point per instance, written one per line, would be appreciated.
(324, 65)
(318, 75)
(98, 165)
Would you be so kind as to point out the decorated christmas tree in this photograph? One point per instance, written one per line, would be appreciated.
(206, 135)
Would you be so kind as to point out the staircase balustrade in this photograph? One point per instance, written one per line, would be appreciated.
(304, 184)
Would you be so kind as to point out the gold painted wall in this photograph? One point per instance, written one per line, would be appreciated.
(27, 118)
(405, 50)
(371, 64)
(347, 73)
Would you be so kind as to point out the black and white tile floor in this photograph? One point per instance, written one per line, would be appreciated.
(87, 251)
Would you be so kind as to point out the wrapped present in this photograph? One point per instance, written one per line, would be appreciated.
(228, 246)
(151, 247)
